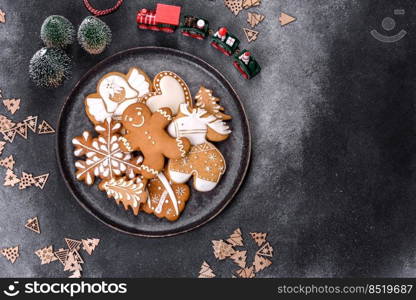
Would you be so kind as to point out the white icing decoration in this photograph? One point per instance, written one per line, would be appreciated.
(138, 82)
(172, 95)
(204, 185)
(168, 188)
(179, 177)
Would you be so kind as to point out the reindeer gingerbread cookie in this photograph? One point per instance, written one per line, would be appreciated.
(204, 161)
(115, 92)
(145, 132)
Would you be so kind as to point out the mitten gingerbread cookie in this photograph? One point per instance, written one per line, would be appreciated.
(165, 199)
(171, 91)
(204, 161)
(146, 132)
(103, 156)
(115, 92)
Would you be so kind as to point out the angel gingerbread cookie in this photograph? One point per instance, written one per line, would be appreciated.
(204, 161)
(171, 91)
(165, 199)
(115, 92)
(145, 132)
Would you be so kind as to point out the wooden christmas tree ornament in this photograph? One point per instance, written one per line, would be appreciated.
(11, 254)
(254, 19)
(21, 129)
(41, 180)
(2, 16)
(7, 162)
(259, 237)
(236, 238)
(26, 180)
(251, 35)
(265, 250)
(31, 122)
(45, 128)
(285, 19)
(246, 273)
(46, 255)
(234, 5)
(89, 245)
(33, 224)
(250, 3)
(206, 271)
(62, 255)
(2, 147)
(73, 244)
(260, 263)
(75, 274)
(222, 250)
(239, 257)
(12, 105)
(11, 178)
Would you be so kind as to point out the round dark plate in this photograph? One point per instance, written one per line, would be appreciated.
(201, 207)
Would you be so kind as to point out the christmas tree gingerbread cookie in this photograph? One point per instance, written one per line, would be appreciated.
(171, 91)
(166, 199)
(115, 92)
(145, 132)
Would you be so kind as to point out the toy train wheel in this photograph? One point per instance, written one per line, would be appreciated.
(167, 29)
(219, 48)
(192, 35)
(142, 26)
(238, 67)
(154, 28)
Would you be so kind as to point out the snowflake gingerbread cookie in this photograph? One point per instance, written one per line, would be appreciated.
(115, 92)
(103, 155)
(145, 132)
(166, 199)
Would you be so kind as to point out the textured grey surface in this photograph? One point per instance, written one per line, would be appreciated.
(332, 119)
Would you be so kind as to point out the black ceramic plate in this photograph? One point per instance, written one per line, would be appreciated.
(201, 207)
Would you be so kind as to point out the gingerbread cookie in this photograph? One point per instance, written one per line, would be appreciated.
(204, 161)
(115, 92)
(145, 131)
(171, 91)
(130, 192)
(165, 199)
(198, 126)
(103, 155)
(205, 100)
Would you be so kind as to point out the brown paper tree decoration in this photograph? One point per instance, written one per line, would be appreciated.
(21, 129)
(5, 123)
(260, 263)
(72, 263)
(41, 180)
(7, 162)
(265, 250)
(46, 255)
(73, 244)
(2, 16)
(62, 255)
(234, 5)
(259, 237)
(235, 238)
(45, 128)
(26, 180)
(246, 273)
(239, 257)
(89, 245)
(11, 178)
(222, 250)
(33, 224)
(11, 254)
(206, 271)
(31, 122)
(250, 3)
(12, 105)
(254, 19)
(2, 146)
(251, 35)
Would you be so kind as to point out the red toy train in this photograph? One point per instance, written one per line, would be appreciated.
(166, 18)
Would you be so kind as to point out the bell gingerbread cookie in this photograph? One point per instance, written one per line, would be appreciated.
(103, 155)
(204, 161)
(130, 192)
(171, 91)
(115, 92)
(165, 199)
(145, 132)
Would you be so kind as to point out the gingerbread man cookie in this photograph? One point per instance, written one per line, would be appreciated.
(171, 91)
(145, 131)
(115, 92)
(165, 199)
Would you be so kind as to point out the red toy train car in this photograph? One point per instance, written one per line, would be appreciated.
(165, 18)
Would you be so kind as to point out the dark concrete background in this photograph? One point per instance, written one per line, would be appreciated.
(332, 120)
